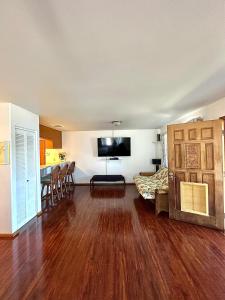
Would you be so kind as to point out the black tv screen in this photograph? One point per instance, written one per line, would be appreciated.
(114, 146)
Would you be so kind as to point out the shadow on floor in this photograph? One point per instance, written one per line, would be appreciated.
(108, 191)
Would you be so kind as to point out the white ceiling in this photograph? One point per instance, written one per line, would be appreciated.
(84, 63)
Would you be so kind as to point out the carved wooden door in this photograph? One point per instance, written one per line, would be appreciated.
(195, 154)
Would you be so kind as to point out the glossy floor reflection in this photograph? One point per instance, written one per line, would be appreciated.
(108, 247)
(108, 191)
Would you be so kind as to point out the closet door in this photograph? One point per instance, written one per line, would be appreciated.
(26, 181)
(20, 177)
(31, 174)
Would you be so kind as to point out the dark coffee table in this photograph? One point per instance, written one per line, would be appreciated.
(107, 178)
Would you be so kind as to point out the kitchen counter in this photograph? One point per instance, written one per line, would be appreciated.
(50, 165)
(46, 169)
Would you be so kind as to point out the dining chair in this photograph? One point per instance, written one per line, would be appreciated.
(51, 182)
(70, 172)
(62, 180)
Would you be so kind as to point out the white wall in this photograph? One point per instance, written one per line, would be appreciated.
(5, 171)
(212, 111)
(81, 146)
(10, 117)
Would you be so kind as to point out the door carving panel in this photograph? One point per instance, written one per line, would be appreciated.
(193, 156)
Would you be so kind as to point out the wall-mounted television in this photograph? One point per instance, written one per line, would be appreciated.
(114, 146)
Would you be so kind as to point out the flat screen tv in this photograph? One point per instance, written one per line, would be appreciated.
(114, 146)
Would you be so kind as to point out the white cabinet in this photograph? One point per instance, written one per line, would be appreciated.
(26, 179)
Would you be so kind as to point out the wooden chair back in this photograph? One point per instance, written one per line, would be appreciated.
(71, 168)
(63, 172)
(55, 174)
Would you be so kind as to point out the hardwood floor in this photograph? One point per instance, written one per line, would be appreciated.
(111, 246)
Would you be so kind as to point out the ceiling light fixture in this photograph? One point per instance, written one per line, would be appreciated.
(116, 123)
(58, 126)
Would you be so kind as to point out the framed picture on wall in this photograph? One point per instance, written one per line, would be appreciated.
(4, 153)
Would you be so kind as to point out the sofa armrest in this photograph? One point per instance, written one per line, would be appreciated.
(146, 173)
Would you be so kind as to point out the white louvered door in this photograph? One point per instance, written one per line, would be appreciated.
(26, 183)
(31, 175)
(20, 178)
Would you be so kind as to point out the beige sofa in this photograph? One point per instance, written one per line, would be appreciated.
(155, 189)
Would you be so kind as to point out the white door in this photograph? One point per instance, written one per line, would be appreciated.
(31, 175)
(20, 178)
(26, 181)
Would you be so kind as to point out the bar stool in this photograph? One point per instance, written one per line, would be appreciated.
(70, 173)
(51, 182)
(62, 180)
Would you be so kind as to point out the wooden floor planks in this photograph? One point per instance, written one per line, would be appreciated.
(108, 244)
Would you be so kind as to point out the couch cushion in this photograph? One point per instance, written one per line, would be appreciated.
(161, 174)
(147, 185)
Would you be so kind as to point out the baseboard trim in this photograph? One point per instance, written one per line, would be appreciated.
(9, 235)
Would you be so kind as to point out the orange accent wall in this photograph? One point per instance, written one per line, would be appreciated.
(51, 134)
(42, 152)
(44, 144)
